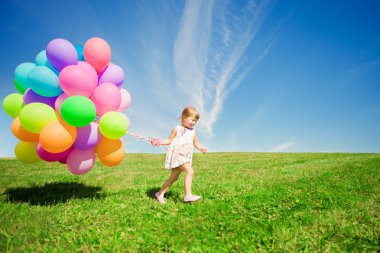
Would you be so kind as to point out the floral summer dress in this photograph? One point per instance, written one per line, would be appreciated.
(180, 150)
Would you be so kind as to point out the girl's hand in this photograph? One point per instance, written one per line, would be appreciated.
(202, 150)
(155, 142)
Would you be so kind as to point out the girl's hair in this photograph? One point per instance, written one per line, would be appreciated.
(190, 111)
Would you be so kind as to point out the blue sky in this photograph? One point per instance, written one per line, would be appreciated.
(266, 76)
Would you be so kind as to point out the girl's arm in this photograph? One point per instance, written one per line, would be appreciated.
(197, 145)
(170, 139)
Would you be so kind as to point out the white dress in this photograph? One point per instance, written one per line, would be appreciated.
(181, 149)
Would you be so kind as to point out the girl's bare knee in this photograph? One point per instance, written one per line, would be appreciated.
(188, 169)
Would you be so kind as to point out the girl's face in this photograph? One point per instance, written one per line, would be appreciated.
(189, 122)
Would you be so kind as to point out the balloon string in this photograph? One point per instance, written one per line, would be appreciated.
(139, 136)
(146, 139)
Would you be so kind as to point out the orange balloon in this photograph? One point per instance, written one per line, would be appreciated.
(57, 136)
(21, 133)
(110, 151)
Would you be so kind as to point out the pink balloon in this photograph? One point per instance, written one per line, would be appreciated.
(59, 101)
(112, 74)
(106, 98)
(125, 100)
(97, 52)
(76, 80)
(80, 161)
(51, 157)
(90, 70)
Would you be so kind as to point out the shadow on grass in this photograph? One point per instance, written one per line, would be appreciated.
(52, 193)
(169, 195)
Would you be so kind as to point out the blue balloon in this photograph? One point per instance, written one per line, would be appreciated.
(44, 82)
(21, 75)
(79, 49)
(42, 60)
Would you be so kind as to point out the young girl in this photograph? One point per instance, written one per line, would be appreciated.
(180, 153)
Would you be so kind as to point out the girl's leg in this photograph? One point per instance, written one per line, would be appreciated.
(189, 173)
(172, 178)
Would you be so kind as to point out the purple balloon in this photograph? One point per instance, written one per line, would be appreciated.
(80, 161)
(31, 97)
(88, 136)
(52, 157)
(112, 74)
(61, 53)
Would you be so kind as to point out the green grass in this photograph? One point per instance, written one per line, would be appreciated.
(252, 202)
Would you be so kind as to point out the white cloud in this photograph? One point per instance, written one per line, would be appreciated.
(283, 146)
(209, 52)
(196, 55)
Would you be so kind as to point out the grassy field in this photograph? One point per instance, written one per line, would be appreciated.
(252, 202)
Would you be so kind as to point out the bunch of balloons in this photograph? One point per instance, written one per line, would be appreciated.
(70, 106)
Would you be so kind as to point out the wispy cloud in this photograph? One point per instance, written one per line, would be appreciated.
(283, 146)
(209, 52)
(194, 53)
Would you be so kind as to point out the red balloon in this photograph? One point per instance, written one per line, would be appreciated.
(97, 52)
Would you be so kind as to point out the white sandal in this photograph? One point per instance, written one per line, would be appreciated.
(192, 198)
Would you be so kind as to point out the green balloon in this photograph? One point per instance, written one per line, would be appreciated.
(113, 125)
(78, 111)
(26, 152)
(12, 104)
(35, 116)
(19, 87)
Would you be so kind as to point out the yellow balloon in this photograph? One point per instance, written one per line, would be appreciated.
(26, 152)
(35, 116)
(13, 104)
(113, 125)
